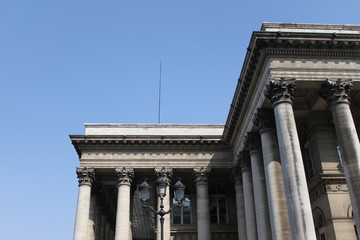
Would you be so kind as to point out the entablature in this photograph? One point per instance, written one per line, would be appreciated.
(289, 46)
(159, 143)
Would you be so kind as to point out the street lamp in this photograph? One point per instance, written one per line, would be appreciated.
(161, 184)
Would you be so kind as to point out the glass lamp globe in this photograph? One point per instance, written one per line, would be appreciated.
(144, 190)
(179, 191)
(161, 185)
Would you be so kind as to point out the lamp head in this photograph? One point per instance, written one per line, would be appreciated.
(179, 191)
(161, 185)
(144, 190)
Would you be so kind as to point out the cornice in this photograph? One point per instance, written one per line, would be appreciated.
(325, 184)
(96, 142)
(264, 44)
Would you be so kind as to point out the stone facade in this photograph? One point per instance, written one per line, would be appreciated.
(286, 165)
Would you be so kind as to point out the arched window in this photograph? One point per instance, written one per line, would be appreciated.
(350, 214)
(320, 228)
(218, 205)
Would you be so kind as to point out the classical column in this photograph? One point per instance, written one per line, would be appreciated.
(279, 219)
(240, 207)
(249, 203)
(92, 218)
(336, 93)
(280, 92)
(86, 178)
(122, 227)
(202, 203)
(253, 143)
(167, 174)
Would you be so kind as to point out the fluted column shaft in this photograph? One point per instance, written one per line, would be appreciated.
(166, 173)
(240, 205)
(122, 227)
(253, 143)
(249, 203)
(300, 215)
(202, 199)
(86, 178)
(279, 219)
(337, 95)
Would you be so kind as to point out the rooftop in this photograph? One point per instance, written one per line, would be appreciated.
(154, 129)
(310, 27)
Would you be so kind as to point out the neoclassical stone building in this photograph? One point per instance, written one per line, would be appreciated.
(286, 165)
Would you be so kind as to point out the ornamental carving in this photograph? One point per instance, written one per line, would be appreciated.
(201, 175)
(264, 119)
(280, 90)
(164, 172)
(236, 172)
(327, 188)
(124, 175)
(253, 141)
(336, 91)
(85, 175)
(244, 160)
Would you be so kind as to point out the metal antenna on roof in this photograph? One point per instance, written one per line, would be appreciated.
(159, 95)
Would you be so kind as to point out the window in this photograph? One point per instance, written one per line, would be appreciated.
(309, 168)
(339, 155)
(182, 215)
(321, 229)
(218, 209)
(319, 222)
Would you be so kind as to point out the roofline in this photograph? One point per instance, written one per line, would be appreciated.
(153, 125)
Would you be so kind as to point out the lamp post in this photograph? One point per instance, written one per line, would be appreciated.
(161, 184)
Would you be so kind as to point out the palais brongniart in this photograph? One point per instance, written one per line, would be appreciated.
(285, 165)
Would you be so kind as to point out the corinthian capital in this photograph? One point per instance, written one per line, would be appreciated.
(201, 175)
(164, 172)
(280, 90)
(336, 91)
(253, 141)
(264, 119)
(244, 160)
(236, 172)
(124, 175)
(85, 175)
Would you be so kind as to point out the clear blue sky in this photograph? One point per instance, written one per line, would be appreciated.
(69, 62)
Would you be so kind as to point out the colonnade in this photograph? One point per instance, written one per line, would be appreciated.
(90, 224)
(272, 158)
(272, 196)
